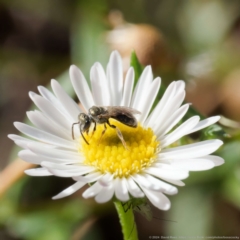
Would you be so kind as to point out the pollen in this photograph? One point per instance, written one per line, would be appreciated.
(108, 154)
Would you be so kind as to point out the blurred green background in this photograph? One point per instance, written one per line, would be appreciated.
(198, 41)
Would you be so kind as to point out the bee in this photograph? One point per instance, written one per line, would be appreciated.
(101, 115)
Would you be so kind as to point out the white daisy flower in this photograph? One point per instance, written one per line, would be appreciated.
(150, 166)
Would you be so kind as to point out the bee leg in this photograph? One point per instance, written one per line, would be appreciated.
(73, 129)
(119, 134)
(83, 136)
(94, 128)
(104, 130)
(121, 137)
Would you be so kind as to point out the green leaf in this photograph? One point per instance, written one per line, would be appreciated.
(214, 131)
(88, 41)
(138, 68)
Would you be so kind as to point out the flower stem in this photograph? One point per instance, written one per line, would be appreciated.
(127, 221)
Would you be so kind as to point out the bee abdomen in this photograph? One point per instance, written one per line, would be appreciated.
(129, 121)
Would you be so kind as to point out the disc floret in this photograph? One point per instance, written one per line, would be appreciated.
(110, 156)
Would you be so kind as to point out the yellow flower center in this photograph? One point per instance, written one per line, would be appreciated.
(109, 155)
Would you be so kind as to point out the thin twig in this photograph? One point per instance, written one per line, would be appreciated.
(12, 173)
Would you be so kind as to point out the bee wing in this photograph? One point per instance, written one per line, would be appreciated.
(116, 110)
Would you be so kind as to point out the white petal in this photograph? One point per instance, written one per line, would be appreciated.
(143, 182)
(48, 96)
(15, 137)
(65, 167)
(180, 84)
(175, 182)
(162, 171)
(67, 170)
(38, 172)
(197, 164)
(99, 84)
(106, 179)
(93, 190)
(54, 153)
(105, 195)
(67, 102)
(133, 188)
(47, 125)
(128, 87)
(164, 187)
(116, 78)
(31, 157)
(215, 159)
(70, 190)
(171, 106)
(179, 131)
(204, 123)
(81, 87)
(168, 94)
(91, 177)
(158, 199)
(121, 191)
(191, 150)
(71, 173)
(105, 83)
(43, 136)
(62, 121)
(23, 142)
(172, 121)
(151, 94)
(108, 83)
(140, 89)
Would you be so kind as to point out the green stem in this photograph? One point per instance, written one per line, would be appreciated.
(129, 228)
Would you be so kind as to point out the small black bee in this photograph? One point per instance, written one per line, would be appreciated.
(101, 115)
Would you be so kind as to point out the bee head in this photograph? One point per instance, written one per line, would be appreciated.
(94, 111)
(83, 118)
(85, 122)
